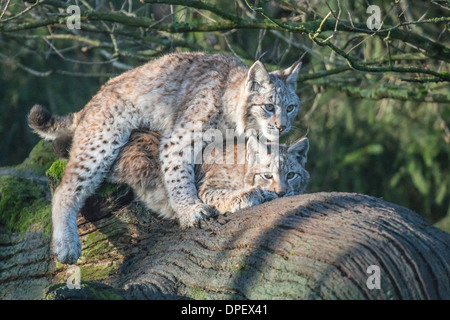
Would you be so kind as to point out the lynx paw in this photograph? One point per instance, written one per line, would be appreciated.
(246, 200)
(67, 249)
(269, 195)
(196, 215)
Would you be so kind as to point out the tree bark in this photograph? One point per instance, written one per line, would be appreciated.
(312, 246)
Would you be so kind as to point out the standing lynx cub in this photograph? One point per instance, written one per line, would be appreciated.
(170, 95)
(227, 187)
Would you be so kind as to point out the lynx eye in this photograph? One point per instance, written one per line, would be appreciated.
(291, 175)
(267, 176)
(269, 108)
(290, 108)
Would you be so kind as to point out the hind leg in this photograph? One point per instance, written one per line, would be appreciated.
(92, 155)
(138, 166)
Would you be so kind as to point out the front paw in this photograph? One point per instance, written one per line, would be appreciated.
(269, 195)
(196, 214)
(67, 249)
(246, 200)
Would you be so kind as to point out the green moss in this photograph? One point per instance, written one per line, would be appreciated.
(198, 294)
(56, 170)
(94, 237)
(102, 293)
(39, 159)
(23, 204)
(99, 272)
(240, 269)
(88, 291)
(95, 244)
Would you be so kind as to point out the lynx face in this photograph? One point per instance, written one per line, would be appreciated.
(272, 103)
(281, 173)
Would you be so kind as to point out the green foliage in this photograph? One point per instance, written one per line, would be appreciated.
(383, 148)
(444, 224)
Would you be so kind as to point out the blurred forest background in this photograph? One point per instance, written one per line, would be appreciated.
(376, 101)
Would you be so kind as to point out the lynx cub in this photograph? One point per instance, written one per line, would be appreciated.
(169, 94)
(227, 187)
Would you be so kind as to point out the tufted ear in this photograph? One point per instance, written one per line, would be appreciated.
(292, 72)
(257, 76)
(300, 150)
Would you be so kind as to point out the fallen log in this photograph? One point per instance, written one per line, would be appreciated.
(312, 246)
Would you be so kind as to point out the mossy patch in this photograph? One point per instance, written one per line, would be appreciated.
(39, 159)
(95, 244)
(56, 170)
(23, 204)
(99, 272)
(88, 291)
(198, 294)
(54, 174)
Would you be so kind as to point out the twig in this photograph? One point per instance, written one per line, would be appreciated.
(202, 5)
(19, 14)
(439, 5)
(4, 10)
(11, 61)
(361, 67)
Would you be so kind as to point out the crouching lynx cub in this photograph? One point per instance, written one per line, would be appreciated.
(169, 95)
(227, 187)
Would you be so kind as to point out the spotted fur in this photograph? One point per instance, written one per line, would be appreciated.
(227, 187)
(170, 94)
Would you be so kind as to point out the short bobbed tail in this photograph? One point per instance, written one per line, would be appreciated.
(49, 126)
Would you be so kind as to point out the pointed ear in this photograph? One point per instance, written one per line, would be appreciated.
(292, 75)
(257, 76)
(300, 150)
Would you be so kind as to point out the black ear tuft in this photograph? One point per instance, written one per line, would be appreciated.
(291, 80)
(290, 75)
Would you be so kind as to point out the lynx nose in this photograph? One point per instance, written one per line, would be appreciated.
(281, 128)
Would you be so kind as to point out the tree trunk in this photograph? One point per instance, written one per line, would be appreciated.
(313, 246)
